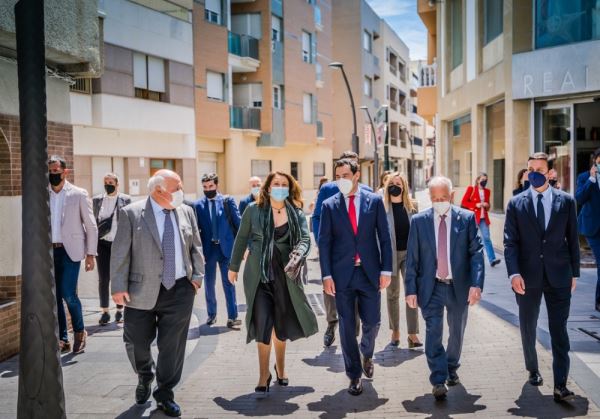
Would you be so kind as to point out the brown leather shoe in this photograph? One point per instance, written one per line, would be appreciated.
(79, 344)
(64, 346)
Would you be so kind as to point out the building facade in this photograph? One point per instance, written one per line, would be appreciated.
(67, 57)
(267, 104)
(139, 116)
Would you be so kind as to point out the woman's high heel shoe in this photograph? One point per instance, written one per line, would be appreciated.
(263, 390)
(281, 381)
(413, 345)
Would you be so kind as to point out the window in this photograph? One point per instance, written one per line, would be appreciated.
(215, 86)
(368, 87)
(295, 170)
(393, 60)
(277, 99)
(275, 29)
(148, 77)
(394, 134)
(307, 108)
(247, 24)
(158, 164)
(495, 141)
(306, 47)
(318, 173)
(402, 100)
(560, 22)
(403, 138)
(402, 70)
(367, 41)
(260, 168)
(493, 11)
(458, 123)
(212, 11)
(456, 35)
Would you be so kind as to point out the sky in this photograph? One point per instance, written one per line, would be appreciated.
(402, 16)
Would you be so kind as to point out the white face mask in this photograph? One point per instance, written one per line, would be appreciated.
(255, 191)
(344, 185)
(177, 198)
(441, 208)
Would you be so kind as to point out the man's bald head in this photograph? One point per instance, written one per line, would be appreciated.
(162, 185)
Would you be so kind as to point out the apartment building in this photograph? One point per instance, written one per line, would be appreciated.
(513, 77)
(75, 56)
(267, 104)
(139, 116)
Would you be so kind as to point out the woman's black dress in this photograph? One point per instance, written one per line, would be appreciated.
(272, 305)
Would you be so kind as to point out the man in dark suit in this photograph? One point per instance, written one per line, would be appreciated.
(541, 248)
(218, 220)
(588, 199)
(328, 190)
(444, 269)
(356, 264)
(255, 184)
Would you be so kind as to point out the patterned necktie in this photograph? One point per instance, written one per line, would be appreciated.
(214, 222)
(541, 216)
(168, 249)
(442, 249)
(353, 220)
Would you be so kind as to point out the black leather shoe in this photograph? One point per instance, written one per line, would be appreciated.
(119, 316)
(262, 391)
(535, 379)
(495, 262)
(453, 379)
(563, 394)
(211, 320)
(143, 391)
(355, 387)
(368, 367)
(170, 408)
(232, 323)
(439, 391)
(280, 380)
(104, 319)
(329, 336)
(412, 344)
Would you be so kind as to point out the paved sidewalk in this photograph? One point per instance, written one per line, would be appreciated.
(221, 372)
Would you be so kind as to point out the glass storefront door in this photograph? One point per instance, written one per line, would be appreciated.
(557, 141)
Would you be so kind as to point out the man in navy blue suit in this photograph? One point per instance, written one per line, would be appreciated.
(219, 220)
(356, 264)
(255, 183)
(444, 269)
(588, 199)
(327, 191)
(541, 248)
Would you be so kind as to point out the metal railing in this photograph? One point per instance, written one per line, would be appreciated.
(243, 45)
(244, 117)
(427, 75)
(82, 86)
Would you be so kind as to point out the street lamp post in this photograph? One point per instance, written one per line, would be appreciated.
(340, 66)
(375, 149)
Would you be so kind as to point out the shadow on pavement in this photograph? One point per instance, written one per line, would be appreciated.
(276, 403)
(110, 327)
(459, 401)
(533, 404)
(328, 358)
(393, 357)
(205, 330)
(138, 411)
(343, 404)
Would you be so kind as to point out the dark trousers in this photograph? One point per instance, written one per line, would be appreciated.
(103, 261)
(594, 243)
(444, 361)
(66, 274)
(558, 303)
(210, 278)
(168, 322)
(362, 293)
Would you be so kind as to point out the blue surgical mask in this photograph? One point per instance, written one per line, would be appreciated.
(280, 193)
(537, 179)
(255, 191)
(598, 167)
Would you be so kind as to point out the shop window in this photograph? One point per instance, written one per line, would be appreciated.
(561, 22)
(495, 146)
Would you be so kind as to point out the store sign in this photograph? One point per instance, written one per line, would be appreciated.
(556, 71)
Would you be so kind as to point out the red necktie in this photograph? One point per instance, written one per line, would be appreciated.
(352, 215)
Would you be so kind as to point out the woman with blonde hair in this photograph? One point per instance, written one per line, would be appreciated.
(400, 210)
(275, 231)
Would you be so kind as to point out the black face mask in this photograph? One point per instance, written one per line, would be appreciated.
(210, 194)
(553, 182)
(483, 183)
(110, 189)
(55, 178)
(395, 190)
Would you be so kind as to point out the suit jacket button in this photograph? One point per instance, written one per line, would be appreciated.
(544, 241)
(541, 256)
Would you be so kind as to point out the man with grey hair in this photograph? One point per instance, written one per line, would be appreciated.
(255, 184)
(156, 269)
(444, 270)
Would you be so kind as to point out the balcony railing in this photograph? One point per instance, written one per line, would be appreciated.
(427, 75)
(244, 118)
(243, 45)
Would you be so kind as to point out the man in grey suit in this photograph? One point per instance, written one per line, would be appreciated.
(444, 272)
(156, 269)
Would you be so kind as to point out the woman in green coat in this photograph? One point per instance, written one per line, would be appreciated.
(272, 229)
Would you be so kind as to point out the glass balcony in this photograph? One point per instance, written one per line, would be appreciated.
(244, 118)
(243, 45)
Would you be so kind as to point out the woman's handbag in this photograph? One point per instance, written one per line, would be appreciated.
(105, 225)
(296, 268)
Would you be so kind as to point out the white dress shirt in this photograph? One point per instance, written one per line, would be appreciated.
(546, 202)
(107, 209)
(437, 219)
(159, 215)
(57, 201)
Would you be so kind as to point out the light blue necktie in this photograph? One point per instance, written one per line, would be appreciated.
(168, 249)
